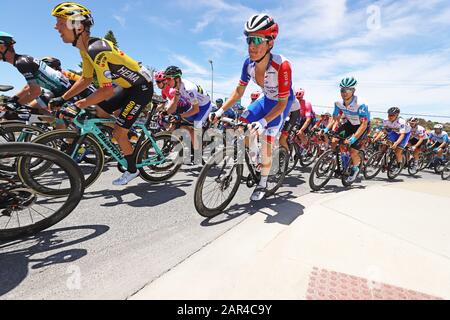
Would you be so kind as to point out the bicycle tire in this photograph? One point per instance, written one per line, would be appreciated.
(75, 179)
(95, 170)
(171, 143)
(325, 159)
(200, 206)
(377, 159)
(445, 175)
(306, 161)
(281, 171)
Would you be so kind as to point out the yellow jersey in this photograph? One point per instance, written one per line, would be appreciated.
(111, 65)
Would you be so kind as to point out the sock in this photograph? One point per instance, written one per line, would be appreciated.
(263, 182)
(131, 164)
(355, 169)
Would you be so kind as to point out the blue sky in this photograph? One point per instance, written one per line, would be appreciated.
(399, 50)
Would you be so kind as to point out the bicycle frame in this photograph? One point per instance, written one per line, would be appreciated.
(89, 127)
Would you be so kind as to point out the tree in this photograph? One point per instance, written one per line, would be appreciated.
(111, 37)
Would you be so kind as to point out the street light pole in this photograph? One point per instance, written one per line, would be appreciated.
(212, 80)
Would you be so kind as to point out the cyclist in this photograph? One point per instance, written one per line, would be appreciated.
(192, 95)
(307, 117)
(290, 123)
(38, 75)
(419, 139)
(273, 74)
(321, 124)
(356, 125)
(398, 131)
(439, 141)
(219, 104)
(134, 88)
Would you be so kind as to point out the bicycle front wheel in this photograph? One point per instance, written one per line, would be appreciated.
(218, 183)
(373, 165)
(446, 172)
(24, 210)
(65, 140)
(323, 171)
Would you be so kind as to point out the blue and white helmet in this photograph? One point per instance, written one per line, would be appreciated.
(348, 83)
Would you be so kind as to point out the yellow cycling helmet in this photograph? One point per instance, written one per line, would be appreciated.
(73, 11)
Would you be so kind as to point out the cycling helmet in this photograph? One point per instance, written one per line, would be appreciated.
(413, 120)
(299, 94)
(326, 115)
(52, 62)
(160, 76)
(394, 111)
(438, 127)
(262, 24)
(173, 72)
(255, 95)
(6, 38)
(219, 101)
(348, 83)
(74, 12)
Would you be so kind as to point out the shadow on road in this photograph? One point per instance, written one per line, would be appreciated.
(16, 256)
(150, 195)
(286, 210)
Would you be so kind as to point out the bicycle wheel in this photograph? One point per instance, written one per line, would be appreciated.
(310, 156)
(412, 171)
(24, 210)
(293, 159)
(218, 183)
(108, 132)
(17, 132)
(64, 140)
(171, 156)
(373, 165)
(322, 171)
(446, 172)
(277, 171)
(394, 168)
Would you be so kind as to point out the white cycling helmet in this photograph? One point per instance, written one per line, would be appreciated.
(438, 127)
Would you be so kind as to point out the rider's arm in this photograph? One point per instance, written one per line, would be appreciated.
(362, 128)
(277, 110)
(237, 94)
(400, 138)
(77, 88)
(418, 143)
(192, 111)
(29, 93)
(98, 96)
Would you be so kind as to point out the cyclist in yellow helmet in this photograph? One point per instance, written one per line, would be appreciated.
(124, 84)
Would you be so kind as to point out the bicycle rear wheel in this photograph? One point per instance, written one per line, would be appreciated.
(277, 171)
(64, 140)
(373, 165)
(310, 156)
(394, 167)
(293, 159)
(446, 172)
(218, 183)
(24, 211)
(172, 152)
(322, 171)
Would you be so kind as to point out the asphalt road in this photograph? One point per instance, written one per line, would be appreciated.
(121, 239)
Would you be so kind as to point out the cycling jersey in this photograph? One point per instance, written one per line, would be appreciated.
(277, 80)
(295, 106)
(38, 72)
(419, 132)
(182, 106)
(306, 110)
(193, 94)
(440, 138)
(398, 126)
(111, 65)
(354, 113)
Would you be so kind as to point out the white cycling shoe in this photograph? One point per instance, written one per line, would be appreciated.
(125, 178)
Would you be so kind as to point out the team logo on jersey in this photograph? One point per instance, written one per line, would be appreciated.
(107, 74)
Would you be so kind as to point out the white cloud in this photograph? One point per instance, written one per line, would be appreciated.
(122, 20)
(191, 67)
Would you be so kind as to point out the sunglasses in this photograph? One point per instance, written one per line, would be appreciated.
(256, 40)
(346, 90)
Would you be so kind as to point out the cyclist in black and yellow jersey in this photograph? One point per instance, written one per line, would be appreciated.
(134, 87)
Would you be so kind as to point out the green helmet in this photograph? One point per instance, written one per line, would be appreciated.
(349, 82)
